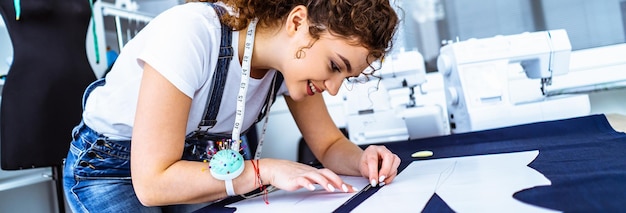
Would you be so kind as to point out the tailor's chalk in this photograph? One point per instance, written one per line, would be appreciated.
(422, 154)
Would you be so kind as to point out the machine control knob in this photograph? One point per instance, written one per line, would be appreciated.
(453, 95)
(444, 64)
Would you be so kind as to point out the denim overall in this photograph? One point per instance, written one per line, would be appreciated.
(98, 168)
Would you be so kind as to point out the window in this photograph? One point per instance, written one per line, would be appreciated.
(589, 24)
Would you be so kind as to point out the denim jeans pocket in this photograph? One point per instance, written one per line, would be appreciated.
(105, 158)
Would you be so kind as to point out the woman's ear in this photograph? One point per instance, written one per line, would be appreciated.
(297, 20)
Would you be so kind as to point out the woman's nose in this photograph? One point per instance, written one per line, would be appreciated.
(333, 85)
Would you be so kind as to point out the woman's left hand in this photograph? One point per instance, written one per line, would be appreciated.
(379, 165)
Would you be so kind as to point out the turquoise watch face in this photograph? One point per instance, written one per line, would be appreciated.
(226, 164)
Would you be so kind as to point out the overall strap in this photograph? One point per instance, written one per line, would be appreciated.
(219, 76)
(219, 80)
(278, 81)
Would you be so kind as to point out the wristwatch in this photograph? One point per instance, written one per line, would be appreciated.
(226, 165)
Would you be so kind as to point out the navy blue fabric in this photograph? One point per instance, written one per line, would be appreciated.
(584, 158)
(436, 204)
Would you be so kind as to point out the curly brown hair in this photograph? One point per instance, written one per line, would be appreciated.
(370, 23)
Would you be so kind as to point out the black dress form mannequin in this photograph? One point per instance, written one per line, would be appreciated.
(41, 98)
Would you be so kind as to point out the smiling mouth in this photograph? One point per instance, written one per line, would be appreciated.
(312, 89)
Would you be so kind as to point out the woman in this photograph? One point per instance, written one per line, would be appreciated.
(157, 92)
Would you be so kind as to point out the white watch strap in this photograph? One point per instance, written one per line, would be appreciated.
(230, 191)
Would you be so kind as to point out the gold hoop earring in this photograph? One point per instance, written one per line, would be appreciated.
(300, 53)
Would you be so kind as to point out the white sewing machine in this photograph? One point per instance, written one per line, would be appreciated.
(392, 110)
(502, 81)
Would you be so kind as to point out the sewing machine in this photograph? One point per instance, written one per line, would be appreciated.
(503, 81)
(389, 108)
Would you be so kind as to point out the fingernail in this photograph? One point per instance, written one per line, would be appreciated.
(310, 187)
(373, 183)
(381, 178)
(331, 188)
(355, 189)
(344, 187)
(381, 183)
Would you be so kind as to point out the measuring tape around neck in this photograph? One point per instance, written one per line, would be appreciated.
(257, 154)
(243, 87)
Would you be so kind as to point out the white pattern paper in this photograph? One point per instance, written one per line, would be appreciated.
(484, 183)
(301, 200)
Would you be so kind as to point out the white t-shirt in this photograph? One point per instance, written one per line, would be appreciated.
(182, 44)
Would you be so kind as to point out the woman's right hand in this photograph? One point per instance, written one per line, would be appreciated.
(291, 176)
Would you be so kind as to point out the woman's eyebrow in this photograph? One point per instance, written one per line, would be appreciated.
(345, 61)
